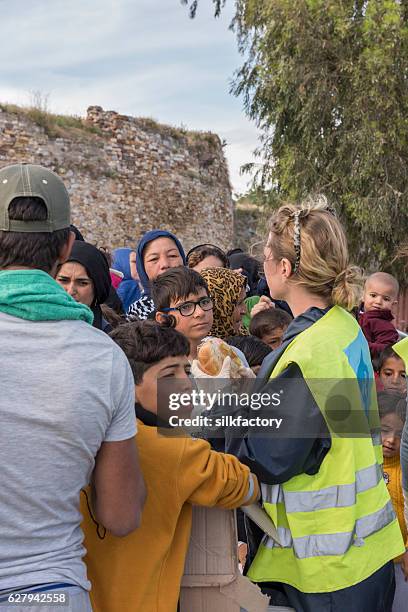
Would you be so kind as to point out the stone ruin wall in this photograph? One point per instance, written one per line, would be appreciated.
(127, 175)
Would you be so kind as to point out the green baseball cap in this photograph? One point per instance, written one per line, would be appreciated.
(30, 180)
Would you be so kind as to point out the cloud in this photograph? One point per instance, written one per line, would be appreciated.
(144, 58)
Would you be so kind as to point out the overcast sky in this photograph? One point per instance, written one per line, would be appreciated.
(143, 58)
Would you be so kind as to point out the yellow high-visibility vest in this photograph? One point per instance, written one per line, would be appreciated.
(401, 348)
(337, 527)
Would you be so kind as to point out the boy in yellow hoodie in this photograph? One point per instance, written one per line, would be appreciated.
(142, 572)
(392, 409)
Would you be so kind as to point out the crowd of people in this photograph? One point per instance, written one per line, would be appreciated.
(96, 506)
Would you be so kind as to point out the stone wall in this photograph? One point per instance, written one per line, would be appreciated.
(127, 175)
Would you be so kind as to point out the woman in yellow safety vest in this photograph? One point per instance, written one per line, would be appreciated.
(321, 473)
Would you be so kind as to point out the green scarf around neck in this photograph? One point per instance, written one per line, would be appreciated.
(34, 295)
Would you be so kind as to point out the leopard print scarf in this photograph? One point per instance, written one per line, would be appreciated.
(225, 287)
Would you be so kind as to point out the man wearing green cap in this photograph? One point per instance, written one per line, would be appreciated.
(66, 406)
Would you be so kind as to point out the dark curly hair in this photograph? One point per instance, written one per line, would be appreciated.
(387, 353)
(253, 348)
(392, 402)
(145, 343)
(176, 284)
(198, 253)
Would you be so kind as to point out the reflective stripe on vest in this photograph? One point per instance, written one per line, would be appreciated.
(337, 496)
(334, 543)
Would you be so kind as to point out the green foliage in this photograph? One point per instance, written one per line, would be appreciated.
(326, 82)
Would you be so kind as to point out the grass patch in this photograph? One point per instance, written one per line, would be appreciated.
(54, 126)
(192, 138)
(169, 131)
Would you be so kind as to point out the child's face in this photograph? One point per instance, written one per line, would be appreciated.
(197, 326)
(379, 295)
(274, 337)
(392, 374)
(239, 311)
(391, 432)
(168, 368)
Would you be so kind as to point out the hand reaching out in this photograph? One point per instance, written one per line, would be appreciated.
(264, 304)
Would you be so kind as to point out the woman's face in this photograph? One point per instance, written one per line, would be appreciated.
(208, 262)
(273, 273)
(160, 255)
(73, 277)
(239, 311)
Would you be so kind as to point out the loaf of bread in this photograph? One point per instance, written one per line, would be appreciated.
(211, 354)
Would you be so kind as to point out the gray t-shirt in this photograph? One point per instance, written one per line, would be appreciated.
(65, 387)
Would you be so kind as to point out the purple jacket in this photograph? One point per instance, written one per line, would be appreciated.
(378, 329)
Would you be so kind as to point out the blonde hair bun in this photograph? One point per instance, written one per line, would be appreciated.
(312, 238)
(347, 287)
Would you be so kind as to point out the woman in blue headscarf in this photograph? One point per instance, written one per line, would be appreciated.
(157, 251)
(128, 290)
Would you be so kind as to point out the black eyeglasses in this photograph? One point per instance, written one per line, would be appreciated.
(188, 308)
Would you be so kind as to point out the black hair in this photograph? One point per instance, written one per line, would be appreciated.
(78, 235)
(250, 267)
(38, 250)
(254, 349)
(392, 402)
(387, 353)
(176, 284)
(265, 321)
(234, 251)
(113, 317)
(145, 343)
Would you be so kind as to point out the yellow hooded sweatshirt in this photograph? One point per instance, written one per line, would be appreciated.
(142, 572)
(392, 477)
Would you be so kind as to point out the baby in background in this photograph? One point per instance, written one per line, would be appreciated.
(375, 319)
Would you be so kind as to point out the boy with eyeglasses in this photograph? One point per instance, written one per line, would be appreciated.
(182, 295)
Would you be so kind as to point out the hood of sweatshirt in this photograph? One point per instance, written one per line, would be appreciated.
(128, 290)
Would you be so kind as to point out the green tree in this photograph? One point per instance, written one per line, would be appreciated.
(326, 82)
